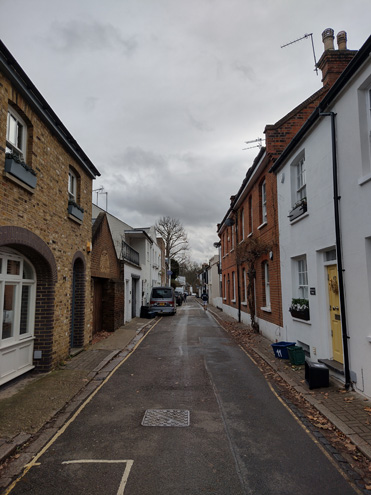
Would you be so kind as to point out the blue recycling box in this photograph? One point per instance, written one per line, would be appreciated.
(280, 349)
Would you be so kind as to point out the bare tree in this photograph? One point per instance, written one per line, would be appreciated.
(174, 236)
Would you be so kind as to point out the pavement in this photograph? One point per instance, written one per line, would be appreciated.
(34, 407)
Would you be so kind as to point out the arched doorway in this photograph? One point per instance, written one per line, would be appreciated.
(27, 291)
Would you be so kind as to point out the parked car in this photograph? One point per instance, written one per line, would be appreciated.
(163, 300)
(179, 298)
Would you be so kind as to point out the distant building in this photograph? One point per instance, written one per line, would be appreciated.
(141, 256)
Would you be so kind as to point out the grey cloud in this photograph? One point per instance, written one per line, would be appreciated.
(198, 124)
(78, 35)
(90, 103)
(245, 70)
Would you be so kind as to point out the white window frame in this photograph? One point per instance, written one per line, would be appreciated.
(364, 111)
(244, 278)
(243, 224)
(301, 184)
(234, 286)
(72, 185)
(302, 278)
(267, 289)
(16, 144)
(250, 215)
(298, 178)
(18, 282)
(264, 202)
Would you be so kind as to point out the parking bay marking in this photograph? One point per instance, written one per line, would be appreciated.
(129, 463)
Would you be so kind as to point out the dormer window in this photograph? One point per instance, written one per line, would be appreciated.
(16, 134)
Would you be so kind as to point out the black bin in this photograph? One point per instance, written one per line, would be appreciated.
(145, 312)
(316, 375)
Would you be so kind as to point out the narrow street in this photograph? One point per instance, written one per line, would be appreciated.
(187, 413)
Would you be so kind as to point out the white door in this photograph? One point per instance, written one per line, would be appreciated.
(17, 315)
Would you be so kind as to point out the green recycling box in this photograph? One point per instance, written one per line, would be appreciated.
(296, 355)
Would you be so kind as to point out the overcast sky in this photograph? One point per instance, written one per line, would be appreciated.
(162, 94)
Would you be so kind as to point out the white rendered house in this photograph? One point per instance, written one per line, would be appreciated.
(324, 204)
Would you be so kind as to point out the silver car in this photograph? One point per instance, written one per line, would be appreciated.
(163, 301)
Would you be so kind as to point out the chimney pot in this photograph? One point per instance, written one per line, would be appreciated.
(328, 39)
(341, 39)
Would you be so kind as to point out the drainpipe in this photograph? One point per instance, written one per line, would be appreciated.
(338, 249)
(238, 273)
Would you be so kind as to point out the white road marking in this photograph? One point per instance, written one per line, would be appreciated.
(34, 462)
(129, 463)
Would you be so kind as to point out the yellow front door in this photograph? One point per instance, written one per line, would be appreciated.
(335, 318)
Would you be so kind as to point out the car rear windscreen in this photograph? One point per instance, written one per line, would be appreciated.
(162, 293)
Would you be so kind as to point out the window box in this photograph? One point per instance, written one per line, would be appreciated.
(299, 209)
(300, 309)
(301, 315)
(75, 210)
(20, 170)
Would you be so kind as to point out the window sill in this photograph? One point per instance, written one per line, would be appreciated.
(18, 182)
(244, 304)
(262, 225)
(224, 298)
(77, 220)
(364, 179)
(234, 301)
(306, 322)
(250, 235)
(296, 220)
(267, 309)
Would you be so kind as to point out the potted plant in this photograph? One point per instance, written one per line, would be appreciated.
(15, 166)
(75, 210)
(299, 208)
(299, 308)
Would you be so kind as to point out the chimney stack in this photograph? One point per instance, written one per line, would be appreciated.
(341, 39)
(328, 39)
(333, 62)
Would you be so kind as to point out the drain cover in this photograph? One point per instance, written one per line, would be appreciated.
(165, 417)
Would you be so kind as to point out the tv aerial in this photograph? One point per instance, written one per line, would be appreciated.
(306, 36)
(258, 145)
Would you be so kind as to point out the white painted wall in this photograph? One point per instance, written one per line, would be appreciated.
(314, 232)
(309, 235)
(354, 161)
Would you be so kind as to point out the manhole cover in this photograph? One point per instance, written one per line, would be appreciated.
(165, 417)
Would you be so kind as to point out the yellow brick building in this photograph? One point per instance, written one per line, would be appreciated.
(45, 230)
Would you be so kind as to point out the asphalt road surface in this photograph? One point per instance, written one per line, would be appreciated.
(187, 413)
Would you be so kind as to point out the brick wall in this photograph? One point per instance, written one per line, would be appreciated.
(106, 267)
(43, 212)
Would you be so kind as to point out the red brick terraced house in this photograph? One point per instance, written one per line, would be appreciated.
(249, 233)
(45, 230)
